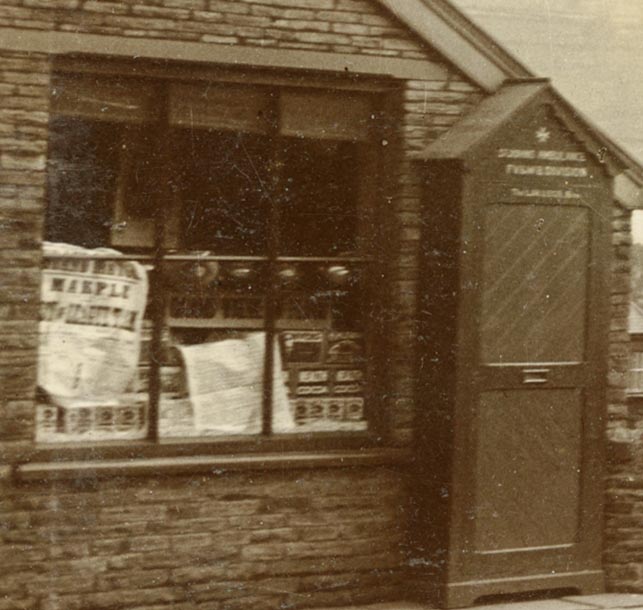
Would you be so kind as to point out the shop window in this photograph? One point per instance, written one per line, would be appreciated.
(208, 264)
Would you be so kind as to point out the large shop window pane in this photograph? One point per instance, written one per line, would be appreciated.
(319, 212)
(82, 180)
(322, 313)
(92, 314)
(213, 348)
(215, 294)
(138, 195)
(93, 308)
(222, 185)
(188, 197)
(322, 304)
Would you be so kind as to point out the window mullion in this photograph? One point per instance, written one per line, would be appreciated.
(159, 302)
(273, 201)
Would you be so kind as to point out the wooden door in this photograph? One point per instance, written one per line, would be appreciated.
(513, 316)
(534, 500)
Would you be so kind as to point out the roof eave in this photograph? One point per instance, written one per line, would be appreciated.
(628, 184)
(459, 40)
(489, 65)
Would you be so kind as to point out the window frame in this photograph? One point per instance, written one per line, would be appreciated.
(154, 446)
(636, 347)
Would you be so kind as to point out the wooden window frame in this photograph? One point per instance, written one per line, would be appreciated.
(329, 443)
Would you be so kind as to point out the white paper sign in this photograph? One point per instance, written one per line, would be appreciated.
(90, 328)
(225, 382)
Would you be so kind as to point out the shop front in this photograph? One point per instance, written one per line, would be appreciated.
(304, 303)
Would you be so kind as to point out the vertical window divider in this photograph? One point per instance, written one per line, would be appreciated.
(385, 189)
(159, 303)
(273, 198)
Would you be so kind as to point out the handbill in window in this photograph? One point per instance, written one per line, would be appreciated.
(90, 328)
(225, 382)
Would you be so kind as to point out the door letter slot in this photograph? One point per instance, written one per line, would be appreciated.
(534, 376)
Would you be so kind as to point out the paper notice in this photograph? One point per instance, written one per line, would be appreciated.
(225, 382)
(90, 328)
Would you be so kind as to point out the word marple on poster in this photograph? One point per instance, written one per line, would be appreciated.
(90, 326)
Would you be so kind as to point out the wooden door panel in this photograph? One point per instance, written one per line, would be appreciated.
(532, 379)
(534, 283)
(528, 459)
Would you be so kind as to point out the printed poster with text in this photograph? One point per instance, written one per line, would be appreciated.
(225, 382)
(90, 328)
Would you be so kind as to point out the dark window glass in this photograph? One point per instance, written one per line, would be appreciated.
(222, 184)
(81, 180)
(318, 213)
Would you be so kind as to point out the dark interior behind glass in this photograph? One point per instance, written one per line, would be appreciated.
(82, 180)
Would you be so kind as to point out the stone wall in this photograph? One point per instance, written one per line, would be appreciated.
(237, 541)
(618, 412)
(271, 539)
(624, 494)
(346, 26)
(24, 99)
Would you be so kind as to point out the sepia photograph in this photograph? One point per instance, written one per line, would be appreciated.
(321, 304)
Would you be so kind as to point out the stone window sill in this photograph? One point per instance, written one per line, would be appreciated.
(214, 465)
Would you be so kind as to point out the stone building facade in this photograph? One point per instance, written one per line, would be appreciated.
(89, 526)
(621, 555)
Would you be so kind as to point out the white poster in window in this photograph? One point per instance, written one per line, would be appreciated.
(90, 328)
(225, 383)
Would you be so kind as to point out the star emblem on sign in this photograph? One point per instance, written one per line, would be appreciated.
(542, 135)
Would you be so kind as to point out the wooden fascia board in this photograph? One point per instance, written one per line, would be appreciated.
(628, 173)
(69, 43)
(483, 66)
(478, 36)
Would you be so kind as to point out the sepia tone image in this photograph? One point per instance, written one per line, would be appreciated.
(313, 304)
